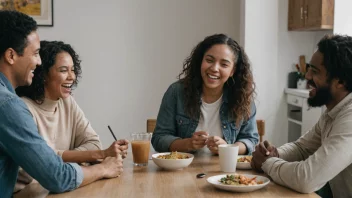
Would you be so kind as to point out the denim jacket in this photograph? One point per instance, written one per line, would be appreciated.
(21, 145)
(173, 123)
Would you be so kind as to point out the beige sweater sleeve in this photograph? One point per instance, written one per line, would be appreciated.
(85, 136)
(314, 170)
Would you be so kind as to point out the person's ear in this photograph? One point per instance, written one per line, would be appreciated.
(340, 83)
(9, 56)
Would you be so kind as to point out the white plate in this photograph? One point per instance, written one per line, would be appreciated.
(243, 165)
(214, 180)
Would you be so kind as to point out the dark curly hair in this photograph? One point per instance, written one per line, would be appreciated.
(14, 29)
(240, 91)
(337, 52)
(48, 53)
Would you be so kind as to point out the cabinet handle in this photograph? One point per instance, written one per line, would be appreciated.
(296, 101)
(301, 13)
(306, 13)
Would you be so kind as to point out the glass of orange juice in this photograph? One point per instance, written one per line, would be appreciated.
(140, 148)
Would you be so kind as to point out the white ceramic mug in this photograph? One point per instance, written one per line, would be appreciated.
(228, 154)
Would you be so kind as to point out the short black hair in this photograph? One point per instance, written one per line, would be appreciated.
(14, 29)
(48, 52)
(337, 52)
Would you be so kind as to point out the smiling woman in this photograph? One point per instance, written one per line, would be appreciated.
(58, 74)
(212, 103)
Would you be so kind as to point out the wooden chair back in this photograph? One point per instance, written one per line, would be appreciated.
(260, 125)
(261, 129)
(151, 125)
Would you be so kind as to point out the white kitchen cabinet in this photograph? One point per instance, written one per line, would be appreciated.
(300, 116)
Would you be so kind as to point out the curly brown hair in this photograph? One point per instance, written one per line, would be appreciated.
(241, 90)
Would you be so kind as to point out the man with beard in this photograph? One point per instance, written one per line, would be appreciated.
(322, 155)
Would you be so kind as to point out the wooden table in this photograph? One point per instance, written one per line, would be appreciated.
(152, 181)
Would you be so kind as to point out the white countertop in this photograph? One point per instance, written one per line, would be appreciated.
(298, 92)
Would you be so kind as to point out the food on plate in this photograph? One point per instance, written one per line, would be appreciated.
(239, 180)
(173, 155)
(245, 159)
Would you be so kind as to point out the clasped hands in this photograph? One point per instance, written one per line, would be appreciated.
(200, 139)
(263, 151)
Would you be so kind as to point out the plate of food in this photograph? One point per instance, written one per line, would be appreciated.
(172, 160)
(244, 162)
(238, 182)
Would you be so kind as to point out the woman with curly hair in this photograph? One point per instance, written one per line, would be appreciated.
(59, 119)
(212, 103)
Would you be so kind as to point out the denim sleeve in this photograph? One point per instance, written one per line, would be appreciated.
(21, 141)
(165, 129)
(248, 134)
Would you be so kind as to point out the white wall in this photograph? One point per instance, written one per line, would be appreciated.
(132, 51)
(343, 17)
(273, 50)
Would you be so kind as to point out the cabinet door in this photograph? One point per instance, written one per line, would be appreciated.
(312, 13)
(295, 14)
(319, 14)
(327, 14)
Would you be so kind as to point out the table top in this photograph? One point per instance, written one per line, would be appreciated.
(152, 181)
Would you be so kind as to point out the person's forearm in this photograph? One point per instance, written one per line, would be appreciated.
(92, 174)
(82, 156)
(242, 149)
(181, 145)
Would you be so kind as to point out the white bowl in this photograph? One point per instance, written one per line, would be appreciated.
(214, 180)
(172, 164)
(243, 165)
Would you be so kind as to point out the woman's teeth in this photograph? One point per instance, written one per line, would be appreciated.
(213, 77)
(67, 85)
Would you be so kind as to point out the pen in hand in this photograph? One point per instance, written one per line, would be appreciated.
(112, 133)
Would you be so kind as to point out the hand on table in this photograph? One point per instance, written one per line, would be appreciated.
(263, 151)
(23, 179)
(112, 167)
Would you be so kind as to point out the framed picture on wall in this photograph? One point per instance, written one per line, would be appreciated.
(40, 10)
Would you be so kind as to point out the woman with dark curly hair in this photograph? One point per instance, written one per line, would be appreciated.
(58, 117)
(212, 103)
